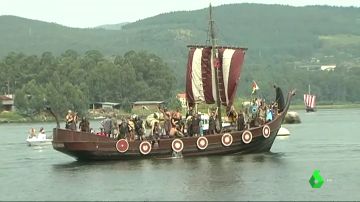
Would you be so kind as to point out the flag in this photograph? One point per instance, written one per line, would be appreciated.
(255, 87)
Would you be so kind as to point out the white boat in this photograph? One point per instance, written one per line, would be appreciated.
(283, 132)
(38, 140)
(35, 141)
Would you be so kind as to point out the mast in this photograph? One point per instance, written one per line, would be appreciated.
(214, 56)
(309, 89)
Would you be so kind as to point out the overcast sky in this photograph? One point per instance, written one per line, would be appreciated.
(91, 13)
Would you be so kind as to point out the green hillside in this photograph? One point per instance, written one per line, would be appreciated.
(283, 42)
(265, 29)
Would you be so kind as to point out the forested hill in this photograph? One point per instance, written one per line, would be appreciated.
(280, 39)
(35, 37)
(295, 31)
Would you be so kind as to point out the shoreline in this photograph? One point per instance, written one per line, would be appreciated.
(326, 106)
(16, 118)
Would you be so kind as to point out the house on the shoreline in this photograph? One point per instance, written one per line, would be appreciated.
(6, 102)
(147, 105)
(105, 105)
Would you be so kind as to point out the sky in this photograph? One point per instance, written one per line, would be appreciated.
(91, 13)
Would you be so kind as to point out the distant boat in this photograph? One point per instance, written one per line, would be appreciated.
(38, 140)
(99, 117)
(309, 101)
(283, 132)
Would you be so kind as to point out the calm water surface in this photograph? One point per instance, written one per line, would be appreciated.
(328, 140)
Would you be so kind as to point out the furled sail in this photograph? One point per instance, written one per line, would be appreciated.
(309, 100)
(200, 75)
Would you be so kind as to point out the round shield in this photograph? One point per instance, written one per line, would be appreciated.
(122, 145)
(266, 131)
(246, 137)
(202, 143)
(226, 139)
(177, 145)
(145, 147)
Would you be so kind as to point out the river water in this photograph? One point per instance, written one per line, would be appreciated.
(327, 140)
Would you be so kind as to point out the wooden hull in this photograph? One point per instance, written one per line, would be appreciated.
(87, 146)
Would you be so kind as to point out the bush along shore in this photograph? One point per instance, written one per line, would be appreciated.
(14, 117)
(326, 106)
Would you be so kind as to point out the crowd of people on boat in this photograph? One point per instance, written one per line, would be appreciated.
(257, 114)
(171, 124)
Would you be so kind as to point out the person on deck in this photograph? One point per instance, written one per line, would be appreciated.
(175, 130)
(131, 129)
(107, 125)
(212, 121)
(69, 120)
(155, 132)
(84, 125)
(262, 113)
(232, 115)
(123, 129)
(139, 127)
(240, 121)
(275, 110)
(195, 124)
(201, 127)
(167, 120)
(269, 115)
(190, 112)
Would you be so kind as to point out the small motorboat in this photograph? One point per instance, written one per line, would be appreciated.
(283, 132)
(38, 140)
(35, 141)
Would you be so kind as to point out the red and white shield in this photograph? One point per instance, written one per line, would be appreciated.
(227, 139)
(202, 143)
(266, 131)
(122, 145)
(145, 147)
(246, 137)
(177, 145)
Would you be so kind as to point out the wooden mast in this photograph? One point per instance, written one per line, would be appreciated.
(214, 56)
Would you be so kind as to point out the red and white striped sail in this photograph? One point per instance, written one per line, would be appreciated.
(309, 100)
(200, 75)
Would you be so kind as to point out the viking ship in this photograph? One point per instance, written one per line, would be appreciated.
(212, 76)
(309, 101)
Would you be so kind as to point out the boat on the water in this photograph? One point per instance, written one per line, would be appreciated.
(309, 101)
(213, 73)
(283, 132)
(38, 140)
